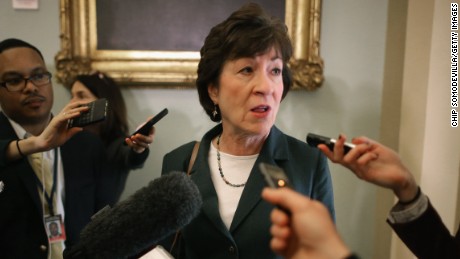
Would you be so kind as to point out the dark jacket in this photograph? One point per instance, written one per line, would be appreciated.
(122, 160)
(207, 236)
(22, 231)
(427, 236)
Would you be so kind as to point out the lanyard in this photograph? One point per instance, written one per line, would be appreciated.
(49, 198)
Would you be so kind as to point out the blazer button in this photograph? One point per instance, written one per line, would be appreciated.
(231, 249)
(43, 248)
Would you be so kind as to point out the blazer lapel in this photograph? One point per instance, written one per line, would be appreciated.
(31, 184)
(201, 176)
(273, 152)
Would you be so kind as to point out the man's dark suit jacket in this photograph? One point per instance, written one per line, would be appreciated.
(207, 236)
(428, 237)
(22, 230)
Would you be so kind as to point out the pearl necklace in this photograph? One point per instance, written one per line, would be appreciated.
(220, 167)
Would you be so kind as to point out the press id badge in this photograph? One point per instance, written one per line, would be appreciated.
(55, 228)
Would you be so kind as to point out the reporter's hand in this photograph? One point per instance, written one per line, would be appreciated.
(375, 163)
(140, 142)
(57, 132)
(54, 135)
(308, 232)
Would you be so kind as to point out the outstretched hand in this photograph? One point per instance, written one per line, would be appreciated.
(308, 232)
(54, 135)
(141, 142)
(57, 132)
(374, 163)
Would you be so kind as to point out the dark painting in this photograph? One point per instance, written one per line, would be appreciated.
(171, 25)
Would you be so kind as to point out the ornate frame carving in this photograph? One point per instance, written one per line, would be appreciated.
(174, 69)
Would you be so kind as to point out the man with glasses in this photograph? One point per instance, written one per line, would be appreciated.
(48, 172)
(16, 83)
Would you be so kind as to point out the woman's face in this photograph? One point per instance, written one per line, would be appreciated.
(81, 93)
(249, 93)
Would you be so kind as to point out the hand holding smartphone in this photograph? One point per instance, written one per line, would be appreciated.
(97, 112)
(145, 129)
(314, 140)
(275, 177)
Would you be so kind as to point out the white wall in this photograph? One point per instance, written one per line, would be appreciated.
(427, 142)
(353, 48)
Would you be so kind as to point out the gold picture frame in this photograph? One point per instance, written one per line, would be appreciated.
(173, 69)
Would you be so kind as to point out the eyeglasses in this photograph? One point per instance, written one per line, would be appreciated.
(19, 83)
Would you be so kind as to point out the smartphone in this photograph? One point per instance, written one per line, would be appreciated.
(97, 112)
(145, 129)
(274, 176)
(314, 140)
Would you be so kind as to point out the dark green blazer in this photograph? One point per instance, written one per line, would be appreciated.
(249, 237)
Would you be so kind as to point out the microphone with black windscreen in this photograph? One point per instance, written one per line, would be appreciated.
(154, 212)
